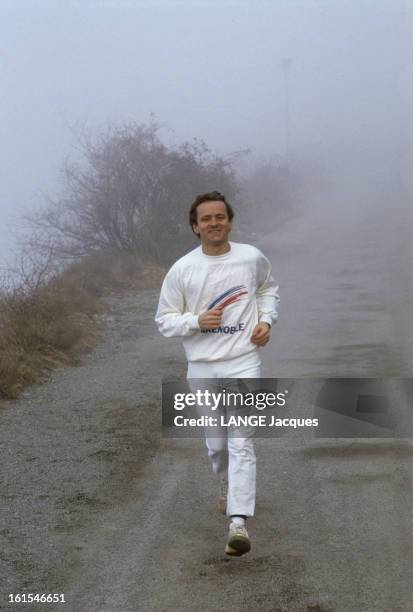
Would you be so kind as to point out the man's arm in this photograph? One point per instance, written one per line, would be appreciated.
(170, 316)
(267, 294)
(267, 302)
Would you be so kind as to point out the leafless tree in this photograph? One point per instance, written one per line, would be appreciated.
(132, 194)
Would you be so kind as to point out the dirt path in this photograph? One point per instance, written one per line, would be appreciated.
(74, 447)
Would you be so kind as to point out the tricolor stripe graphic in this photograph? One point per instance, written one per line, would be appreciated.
(228, 297)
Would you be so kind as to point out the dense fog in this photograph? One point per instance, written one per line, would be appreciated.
(321, 85)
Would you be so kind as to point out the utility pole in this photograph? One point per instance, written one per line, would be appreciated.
(286, 64)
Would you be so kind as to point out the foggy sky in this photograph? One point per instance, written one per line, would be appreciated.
(210, 69)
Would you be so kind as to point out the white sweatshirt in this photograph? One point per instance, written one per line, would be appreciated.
(240, 281)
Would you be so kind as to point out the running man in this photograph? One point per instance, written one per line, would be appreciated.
(221, 298)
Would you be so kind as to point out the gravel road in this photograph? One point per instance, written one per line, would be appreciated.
(96, 505)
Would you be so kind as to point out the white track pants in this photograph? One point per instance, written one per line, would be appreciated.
(230, 451)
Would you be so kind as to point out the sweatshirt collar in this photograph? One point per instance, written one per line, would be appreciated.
(217, 257)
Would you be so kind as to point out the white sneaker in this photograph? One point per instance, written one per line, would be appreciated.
(223, 495)
(238, 542)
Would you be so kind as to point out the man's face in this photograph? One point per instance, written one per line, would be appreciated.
(213, 225)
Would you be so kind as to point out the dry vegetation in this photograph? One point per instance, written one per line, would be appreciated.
(46, 324)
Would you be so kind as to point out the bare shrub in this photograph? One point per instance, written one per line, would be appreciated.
(132, 195)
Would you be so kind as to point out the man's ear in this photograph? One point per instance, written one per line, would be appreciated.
(195, 229)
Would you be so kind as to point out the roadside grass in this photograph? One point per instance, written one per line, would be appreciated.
(51, 323)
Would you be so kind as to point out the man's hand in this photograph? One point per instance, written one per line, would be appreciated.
(211, 319)
(261, 334)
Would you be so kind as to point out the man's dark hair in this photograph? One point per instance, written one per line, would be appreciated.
(211, 196)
